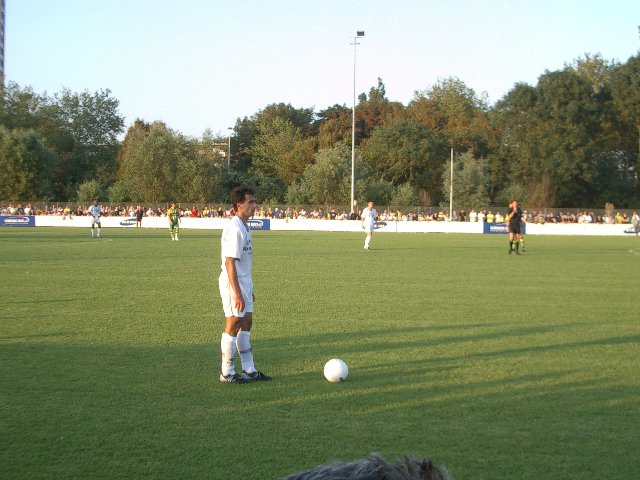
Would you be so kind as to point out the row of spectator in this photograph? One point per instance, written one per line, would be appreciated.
(482, 215)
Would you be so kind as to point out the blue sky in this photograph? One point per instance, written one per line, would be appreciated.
(197, 64)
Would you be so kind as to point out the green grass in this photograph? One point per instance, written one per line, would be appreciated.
(495, 365)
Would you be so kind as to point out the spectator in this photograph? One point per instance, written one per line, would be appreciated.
(139, 214)
(559, 218)
(375, 467)
(618, 217)
(473, 215)
(550, 218)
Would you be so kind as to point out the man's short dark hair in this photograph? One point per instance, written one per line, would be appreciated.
(375, 468)
(238, 195)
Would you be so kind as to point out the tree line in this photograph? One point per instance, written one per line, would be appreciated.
(572, 140)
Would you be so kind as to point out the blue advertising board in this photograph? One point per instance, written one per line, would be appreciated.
(259, 223)
(501, 228)
(128, 222)
(17, 221)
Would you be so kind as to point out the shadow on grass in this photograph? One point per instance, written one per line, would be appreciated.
(72, 410)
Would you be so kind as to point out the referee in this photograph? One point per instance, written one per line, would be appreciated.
(514, 221)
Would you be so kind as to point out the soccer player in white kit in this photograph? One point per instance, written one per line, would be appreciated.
(369, 216)
(236, 291)
(95, 211)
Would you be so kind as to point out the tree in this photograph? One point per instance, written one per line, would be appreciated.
(514, 191)
(334, 126)
(380, 192)
(199, 168)
(82, 129)
(21, 108)
(406, 151)
(93, 122)
(625, 89)
(513, 128)
(453, 109)
(275, 142)
(25, 166)
(328, 179)
(556, 137)
(120, 192)
(374, 111)
(405, 196)
(595, 69)
(90, 191)
(149, 163)
(470, 182)
(279, 150)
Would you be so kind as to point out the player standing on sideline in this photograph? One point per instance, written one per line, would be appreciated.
(635, 221)
(95, 211)
(174, 221)
(514, 221)
(236, 290)
(139, 215)
(369, 216)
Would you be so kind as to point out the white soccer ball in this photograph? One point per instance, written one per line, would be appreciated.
(335, 370)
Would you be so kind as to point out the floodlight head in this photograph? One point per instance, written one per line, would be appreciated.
(360, 33)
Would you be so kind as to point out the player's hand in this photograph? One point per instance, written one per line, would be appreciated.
(238, 303)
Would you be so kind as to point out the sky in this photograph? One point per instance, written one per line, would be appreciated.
(202, 64)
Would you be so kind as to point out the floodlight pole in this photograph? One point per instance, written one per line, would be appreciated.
(353, 124)
(451, 188)
(229, 155)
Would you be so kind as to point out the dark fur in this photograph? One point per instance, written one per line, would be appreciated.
(375, 468)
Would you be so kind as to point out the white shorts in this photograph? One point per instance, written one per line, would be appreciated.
(95, 221)
(369, 227)
(226, 295)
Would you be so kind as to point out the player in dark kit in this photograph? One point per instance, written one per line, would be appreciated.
(514, 221)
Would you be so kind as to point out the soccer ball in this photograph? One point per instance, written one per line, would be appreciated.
(335, 370)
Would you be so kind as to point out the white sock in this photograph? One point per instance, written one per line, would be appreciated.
(367, 241)
(244, 349)
(228, 353)
(98, 231)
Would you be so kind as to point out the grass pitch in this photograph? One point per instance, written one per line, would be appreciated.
(495, 365)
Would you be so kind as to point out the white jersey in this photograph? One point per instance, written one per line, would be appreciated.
(95, 211)
(369, 216)
(236, 243)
